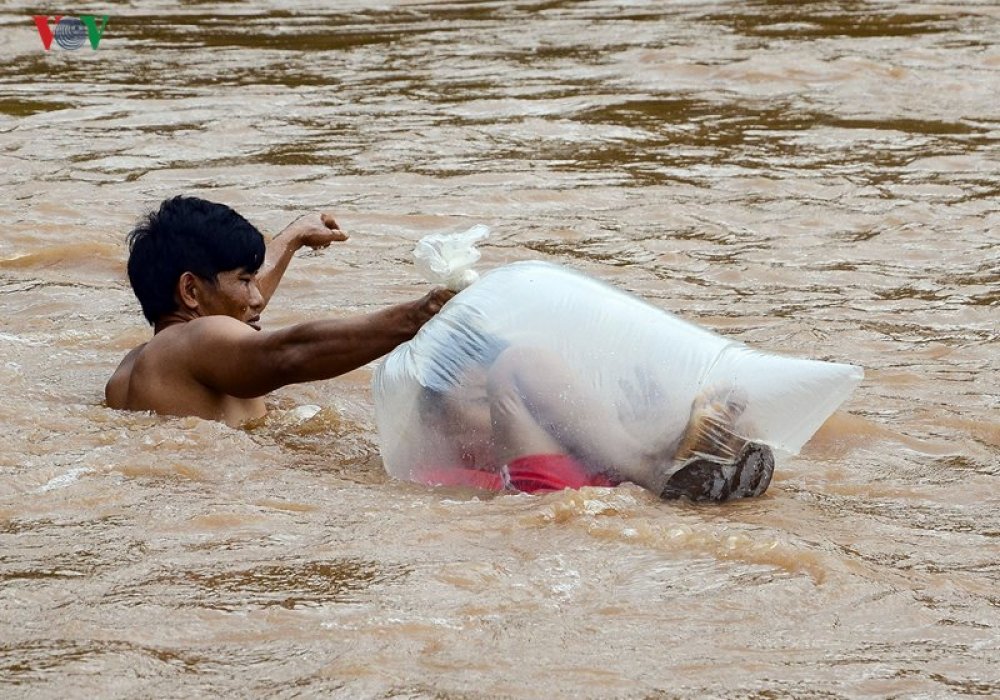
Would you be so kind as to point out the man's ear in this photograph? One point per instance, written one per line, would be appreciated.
(189, 290)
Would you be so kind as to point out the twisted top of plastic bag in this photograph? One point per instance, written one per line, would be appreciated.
(447, 258)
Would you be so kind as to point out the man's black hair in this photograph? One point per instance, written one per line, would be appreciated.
(187, 234)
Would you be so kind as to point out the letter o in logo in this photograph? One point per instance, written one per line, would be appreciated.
(70, 33)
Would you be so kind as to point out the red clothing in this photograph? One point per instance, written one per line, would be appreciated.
(530, 474)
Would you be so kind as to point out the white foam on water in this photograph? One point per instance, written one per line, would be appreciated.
(63, 480)
(11, 338)
(301, 414)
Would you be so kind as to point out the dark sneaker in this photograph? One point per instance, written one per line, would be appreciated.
(703, 479)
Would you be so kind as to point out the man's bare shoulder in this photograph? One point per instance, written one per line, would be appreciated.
(181, 348)
(171, 351)
(207, 332)
(116, 390)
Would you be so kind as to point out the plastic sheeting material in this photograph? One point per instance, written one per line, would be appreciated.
(645, 366)
(448, 258)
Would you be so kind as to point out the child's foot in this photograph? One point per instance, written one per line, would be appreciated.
(712, 462)
(704, 479)
(711, 428)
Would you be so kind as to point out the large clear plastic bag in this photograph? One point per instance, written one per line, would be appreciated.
(654, 376)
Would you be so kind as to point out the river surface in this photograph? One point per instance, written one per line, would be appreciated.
(814, 178)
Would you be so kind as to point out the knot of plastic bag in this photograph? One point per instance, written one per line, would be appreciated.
(447, 258)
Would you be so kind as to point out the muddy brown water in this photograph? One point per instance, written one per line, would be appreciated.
(814, 178)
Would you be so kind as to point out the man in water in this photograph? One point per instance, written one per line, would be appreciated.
(203, 275)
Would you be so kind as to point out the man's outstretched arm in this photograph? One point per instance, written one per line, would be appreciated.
(313, 230)
(228, 356)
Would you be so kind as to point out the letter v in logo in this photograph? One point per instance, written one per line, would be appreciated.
(44, 31)
(93, 31)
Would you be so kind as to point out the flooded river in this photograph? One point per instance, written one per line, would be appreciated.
(814, 178)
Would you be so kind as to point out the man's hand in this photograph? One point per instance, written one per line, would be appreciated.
(314, 230)
(317, 230)
(430, 304)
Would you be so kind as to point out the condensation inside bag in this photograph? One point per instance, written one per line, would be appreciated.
(636, 364)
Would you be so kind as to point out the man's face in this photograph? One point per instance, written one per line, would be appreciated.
(234, 293)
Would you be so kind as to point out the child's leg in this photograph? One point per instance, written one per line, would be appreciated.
(538, 407)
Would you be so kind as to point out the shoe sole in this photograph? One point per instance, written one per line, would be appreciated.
(702, 479)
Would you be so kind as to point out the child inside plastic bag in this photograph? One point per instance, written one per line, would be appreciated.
(537, 377)
(519, 419)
